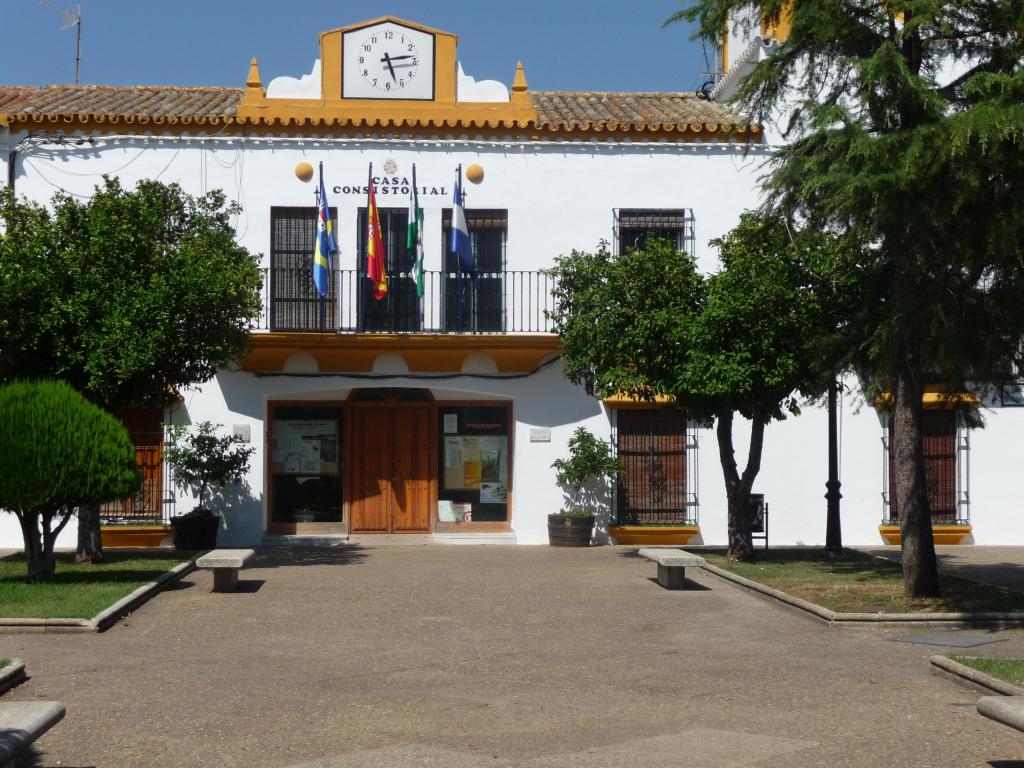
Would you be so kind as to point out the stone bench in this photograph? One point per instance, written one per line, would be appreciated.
(1008, 710)
(21, 723)
(225, 564)
(672, 565)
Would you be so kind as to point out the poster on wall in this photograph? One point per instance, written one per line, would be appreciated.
(472, 463)
(305, 447)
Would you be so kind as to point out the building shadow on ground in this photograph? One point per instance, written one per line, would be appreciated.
(286, 557)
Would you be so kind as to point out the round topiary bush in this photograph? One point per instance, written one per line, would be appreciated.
(58, 451)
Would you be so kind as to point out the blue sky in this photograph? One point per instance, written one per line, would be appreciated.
(564, 44)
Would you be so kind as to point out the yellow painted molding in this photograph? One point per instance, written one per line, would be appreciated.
(779, 29)
(935, 398)
(130, 536)
(423, 353)
(622, 400)
(653, 534)
(941, 534)
(253, 81)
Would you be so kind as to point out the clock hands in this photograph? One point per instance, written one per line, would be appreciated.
(387, 60)
(390, 63)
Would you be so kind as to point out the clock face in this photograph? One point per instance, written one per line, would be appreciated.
(387, 61)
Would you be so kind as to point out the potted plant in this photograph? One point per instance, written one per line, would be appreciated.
(589, 461)
(202, 459)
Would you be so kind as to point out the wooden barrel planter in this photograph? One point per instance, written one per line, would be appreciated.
(570, 531)
(195, 532)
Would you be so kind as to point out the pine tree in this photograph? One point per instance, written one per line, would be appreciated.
(904, 122)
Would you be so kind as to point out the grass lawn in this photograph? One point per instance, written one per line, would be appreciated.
(858, 583)
(79, 591)
(1007, 670)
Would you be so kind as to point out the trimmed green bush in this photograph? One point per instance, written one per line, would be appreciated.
(58, 451)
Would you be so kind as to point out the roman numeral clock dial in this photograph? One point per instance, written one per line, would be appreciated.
(387, 61)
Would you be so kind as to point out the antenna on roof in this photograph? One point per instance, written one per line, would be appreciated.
(71, 19)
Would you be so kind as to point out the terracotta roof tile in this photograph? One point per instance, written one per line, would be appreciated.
(631, 111)
(556, 111)
(107, 101)
(12, 95)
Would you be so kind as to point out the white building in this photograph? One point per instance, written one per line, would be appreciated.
(379, 419)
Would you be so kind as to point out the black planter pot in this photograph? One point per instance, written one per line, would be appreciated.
(191, 533)
(570, 531)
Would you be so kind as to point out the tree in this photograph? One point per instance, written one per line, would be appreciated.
(203, 458)
(127, 296)
(57, 452)
(739, 342)
(590, 461)
(921, 174)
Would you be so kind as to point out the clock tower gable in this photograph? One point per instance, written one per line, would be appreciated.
(386, 71)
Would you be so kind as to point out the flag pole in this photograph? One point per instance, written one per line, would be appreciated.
(460, 284)
(316, 194)
(364, 294)
(416, 247)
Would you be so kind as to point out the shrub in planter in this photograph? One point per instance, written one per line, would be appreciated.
(202, 459)
(590, 461)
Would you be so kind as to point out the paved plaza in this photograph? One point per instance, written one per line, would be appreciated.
(371, 655)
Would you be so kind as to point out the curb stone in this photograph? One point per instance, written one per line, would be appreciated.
(975, 677)
(835, 619)
(11, 675)
(105, 618)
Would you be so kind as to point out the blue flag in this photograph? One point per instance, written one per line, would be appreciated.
(461, 244)
(325, 245)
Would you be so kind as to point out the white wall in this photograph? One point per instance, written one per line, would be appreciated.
(558, 197)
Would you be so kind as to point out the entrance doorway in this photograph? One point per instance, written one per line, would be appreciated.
(392, 469)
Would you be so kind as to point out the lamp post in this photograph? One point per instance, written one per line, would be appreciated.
(833, 531)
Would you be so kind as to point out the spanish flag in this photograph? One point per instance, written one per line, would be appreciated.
(375, 268)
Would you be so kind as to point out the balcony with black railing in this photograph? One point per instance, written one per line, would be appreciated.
(506, 302)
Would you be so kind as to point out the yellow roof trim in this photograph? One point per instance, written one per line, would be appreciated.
(935, 400)
(622, 400)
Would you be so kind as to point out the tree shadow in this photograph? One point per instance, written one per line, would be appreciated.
(103, 572)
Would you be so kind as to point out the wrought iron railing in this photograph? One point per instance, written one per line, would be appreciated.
(512, 301)
(947, 480)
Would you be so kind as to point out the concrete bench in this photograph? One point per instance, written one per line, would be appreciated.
(21, 723)
(672, 565)
(225, 564)
(1008, 710)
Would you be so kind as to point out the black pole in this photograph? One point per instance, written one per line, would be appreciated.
(316, 195)
(833, 530)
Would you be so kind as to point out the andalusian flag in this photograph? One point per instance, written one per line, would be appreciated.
(325, 244)
(414, 241)
(461, 245)
(375, 268)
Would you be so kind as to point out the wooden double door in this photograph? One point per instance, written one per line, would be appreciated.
(392, 469)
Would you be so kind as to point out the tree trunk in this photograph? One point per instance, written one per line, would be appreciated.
(90, 546)
(737, 486)
(38, 566)
(920, 570)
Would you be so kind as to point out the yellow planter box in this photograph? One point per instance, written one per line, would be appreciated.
(133, 536)
(653, 534)
(941, 534)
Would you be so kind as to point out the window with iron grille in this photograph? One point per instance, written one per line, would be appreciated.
(633, 227)
(294, 300)
(657, 484)
(481, 308)
(146, 431)
(946, 446)
(399, 311)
